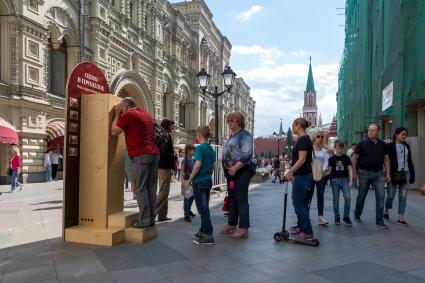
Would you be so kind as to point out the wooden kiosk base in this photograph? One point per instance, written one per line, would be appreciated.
(118, 231)
(102, 220)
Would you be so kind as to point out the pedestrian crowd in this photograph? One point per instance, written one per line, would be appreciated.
(153, 161)
(150, 160)
(372, 163)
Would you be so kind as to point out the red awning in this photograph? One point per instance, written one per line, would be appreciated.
(8, 133)
(55, 132)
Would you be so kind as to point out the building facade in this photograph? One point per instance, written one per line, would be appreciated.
(382, 74)
(310, 99)
(150, 50)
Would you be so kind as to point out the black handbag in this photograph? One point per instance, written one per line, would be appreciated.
(399, 177)
(9, 171)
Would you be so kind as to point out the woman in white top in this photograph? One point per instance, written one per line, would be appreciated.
(322, 155)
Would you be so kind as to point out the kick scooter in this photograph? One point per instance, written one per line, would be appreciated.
(284, 235)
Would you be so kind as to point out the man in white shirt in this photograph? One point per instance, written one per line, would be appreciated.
(48, 166)
(54, 158)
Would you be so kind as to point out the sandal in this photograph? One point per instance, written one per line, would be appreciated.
(228, 230)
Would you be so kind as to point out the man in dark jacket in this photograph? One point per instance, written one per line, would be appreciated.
(166, 165)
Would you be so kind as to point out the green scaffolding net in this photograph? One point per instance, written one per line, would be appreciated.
(384, 43)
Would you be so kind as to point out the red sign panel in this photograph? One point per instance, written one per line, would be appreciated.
(86, 78)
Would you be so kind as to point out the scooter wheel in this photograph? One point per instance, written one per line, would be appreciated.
(278, 236)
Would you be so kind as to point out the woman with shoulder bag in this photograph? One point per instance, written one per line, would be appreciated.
(187, 190)
(321, 155)
(237, 164)
(402, 173)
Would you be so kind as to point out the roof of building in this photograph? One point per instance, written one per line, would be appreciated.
(310, 81)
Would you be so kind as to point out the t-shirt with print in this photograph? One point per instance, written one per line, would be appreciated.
(206, 154)
(339, 166)
(303, 144)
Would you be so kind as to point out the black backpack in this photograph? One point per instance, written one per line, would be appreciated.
(160, 134)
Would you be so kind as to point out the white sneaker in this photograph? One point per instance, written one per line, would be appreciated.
(323, 221)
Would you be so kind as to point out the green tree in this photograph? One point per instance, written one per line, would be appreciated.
(289, 143)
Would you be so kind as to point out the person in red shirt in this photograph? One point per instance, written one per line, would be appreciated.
(138, 129)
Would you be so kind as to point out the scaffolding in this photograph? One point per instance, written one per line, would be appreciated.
(384, 43)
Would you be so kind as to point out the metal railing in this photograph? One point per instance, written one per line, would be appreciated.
(219, 181)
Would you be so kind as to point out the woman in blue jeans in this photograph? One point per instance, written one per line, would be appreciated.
(301, 176)
(401, 163)
(321, 154)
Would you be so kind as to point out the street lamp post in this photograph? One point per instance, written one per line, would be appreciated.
(279, 138)
(204, 80)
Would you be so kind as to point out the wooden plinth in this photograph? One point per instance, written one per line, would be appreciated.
(94, 235)
(139, 236)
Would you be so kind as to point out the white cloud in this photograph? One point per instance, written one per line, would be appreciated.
(279, 93)
(265, 56)
(298, 53)
(244, 16)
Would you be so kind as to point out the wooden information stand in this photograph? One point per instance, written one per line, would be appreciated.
(101, 219)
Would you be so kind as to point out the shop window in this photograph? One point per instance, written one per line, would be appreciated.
(57, 66)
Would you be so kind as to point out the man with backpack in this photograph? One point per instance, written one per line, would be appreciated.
(138, 127)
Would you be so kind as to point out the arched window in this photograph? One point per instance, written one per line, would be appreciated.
(182, 114)
(57, 66)
(164, 105)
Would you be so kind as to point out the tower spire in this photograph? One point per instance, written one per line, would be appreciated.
(281, 127)
(310, 81)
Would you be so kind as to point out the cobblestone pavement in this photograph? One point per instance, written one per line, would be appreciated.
(32, 250)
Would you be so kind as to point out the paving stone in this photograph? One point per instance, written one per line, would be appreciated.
(304, 278)
(219, 263)
(103, 277)
(400, 278)
(79, 268)
(179, 269)
(15, 264)
(196, 278)
(356, 272)
(243, 275)
(136, 275)
(30, 274)
(121, 261)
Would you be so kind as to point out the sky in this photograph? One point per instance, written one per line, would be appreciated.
(272, 41)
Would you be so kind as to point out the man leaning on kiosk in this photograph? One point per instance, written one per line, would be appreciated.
(137, 126)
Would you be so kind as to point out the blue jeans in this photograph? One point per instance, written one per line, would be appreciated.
(48, 176)
(402, 195)
(201, 193)
(320, 186)
(341, 184)
(377, 180)
(14, 179)
(277, 174)
(187, 204)
(301, 185)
